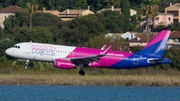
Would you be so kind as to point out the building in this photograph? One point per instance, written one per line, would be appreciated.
(161, 19)
(174, 39)
(139, 41)
(175, 10)
(109, 35)
(54, 12)
(132, 12)
(128, 36)
(5, 12)
(70, 14)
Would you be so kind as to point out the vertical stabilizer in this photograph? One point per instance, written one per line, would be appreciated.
(157, 45)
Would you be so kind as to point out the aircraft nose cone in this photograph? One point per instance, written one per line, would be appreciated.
(7, 51)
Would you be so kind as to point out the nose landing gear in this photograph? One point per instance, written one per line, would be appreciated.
(26, 67)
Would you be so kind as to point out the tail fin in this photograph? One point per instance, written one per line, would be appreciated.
(157, 45)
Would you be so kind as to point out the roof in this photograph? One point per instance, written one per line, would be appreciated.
(175, 34)
(128, 33)
(114, 9)
(141, 39)
(175, 6)
(71, 11)
(47, 11)
(159, 13)
(10, 9)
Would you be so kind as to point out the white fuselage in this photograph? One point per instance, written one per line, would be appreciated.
(38, 51)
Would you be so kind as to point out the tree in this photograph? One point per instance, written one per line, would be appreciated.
(135, 23)
(149, 10)
(78, 31)
(21, 3)
(126, 12)
(20, 19)
(84, 4)
(32, 8)
(116, 3)
(98, 41)
(24, 34)
(113, 21)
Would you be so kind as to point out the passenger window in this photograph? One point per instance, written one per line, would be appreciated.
(18, 47)
(15, 46)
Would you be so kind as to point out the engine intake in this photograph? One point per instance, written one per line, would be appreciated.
(64, 64)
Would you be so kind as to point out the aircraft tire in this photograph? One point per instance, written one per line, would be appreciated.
(81, 72)
(25, 67)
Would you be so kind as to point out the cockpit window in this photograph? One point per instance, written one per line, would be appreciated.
(16, 47)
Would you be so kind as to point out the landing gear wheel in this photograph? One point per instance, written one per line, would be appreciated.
(25, 67)
(81, 72)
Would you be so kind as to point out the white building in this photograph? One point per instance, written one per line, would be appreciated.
(128, 36)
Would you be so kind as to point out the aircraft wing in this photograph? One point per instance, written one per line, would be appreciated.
(86, 60)
(89, 59)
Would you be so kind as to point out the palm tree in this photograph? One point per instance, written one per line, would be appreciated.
(149, 10)
(32, 8)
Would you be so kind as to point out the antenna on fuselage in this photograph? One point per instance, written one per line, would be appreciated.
(30, 41)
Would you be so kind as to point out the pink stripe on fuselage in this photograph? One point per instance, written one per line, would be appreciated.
(111, 58)
(162, 35)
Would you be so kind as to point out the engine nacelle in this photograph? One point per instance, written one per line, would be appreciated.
(64, 64)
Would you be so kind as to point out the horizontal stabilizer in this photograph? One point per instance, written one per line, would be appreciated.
(155, 60)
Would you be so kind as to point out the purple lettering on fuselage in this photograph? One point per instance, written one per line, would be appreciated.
(43, 50)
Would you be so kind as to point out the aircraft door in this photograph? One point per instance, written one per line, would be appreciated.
(136, 60)
(28, 48)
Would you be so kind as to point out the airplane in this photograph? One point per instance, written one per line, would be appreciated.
(69, 57)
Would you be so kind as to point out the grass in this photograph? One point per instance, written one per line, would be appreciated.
(89, 80)
(49, 75)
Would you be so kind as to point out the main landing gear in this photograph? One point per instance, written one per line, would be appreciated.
(26, 67)
(81, 72)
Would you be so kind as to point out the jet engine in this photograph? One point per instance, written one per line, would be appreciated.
(64, 64)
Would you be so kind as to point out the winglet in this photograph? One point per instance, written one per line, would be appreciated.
(104, 47)
(105, 52)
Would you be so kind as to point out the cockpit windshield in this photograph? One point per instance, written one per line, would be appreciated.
(16, 46)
